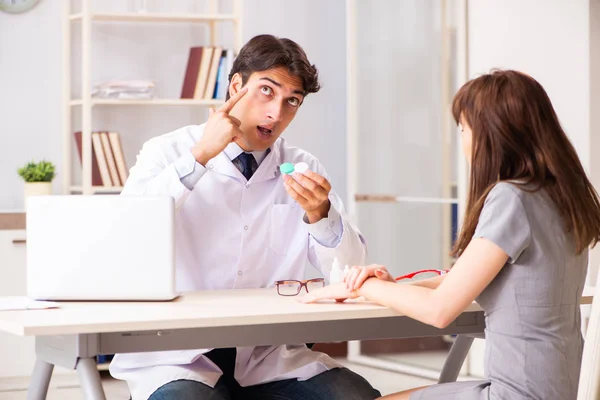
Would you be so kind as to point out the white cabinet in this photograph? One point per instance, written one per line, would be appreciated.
(17, 354)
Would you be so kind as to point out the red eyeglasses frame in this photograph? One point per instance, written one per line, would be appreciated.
(413, 274)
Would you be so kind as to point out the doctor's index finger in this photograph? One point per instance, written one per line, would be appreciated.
(228, 105)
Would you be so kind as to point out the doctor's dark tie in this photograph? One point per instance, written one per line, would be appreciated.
(248, 164)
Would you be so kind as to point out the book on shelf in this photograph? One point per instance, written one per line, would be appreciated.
(117, 149)
(211, 78)
(207, 53)
(96, 178)
(191, 73)
(101, 157)
(110, 159)
(225, 67)
(109, 168)
(207, 72)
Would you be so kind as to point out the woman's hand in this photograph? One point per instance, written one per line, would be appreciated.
(337, 292)
(358, 275)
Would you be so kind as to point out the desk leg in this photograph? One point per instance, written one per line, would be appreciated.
(40, 380)
(90, 379)
(456, 358)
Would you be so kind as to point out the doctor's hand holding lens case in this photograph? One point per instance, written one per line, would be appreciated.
(308, 188)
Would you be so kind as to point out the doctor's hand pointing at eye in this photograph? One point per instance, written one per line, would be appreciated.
(221, 129)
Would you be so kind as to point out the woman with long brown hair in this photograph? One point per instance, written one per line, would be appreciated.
(522, 252)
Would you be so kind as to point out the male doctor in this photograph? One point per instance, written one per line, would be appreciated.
(240, 224)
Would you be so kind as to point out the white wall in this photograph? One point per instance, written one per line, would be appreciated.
(30, 94)
(30, 79)
(547, 39)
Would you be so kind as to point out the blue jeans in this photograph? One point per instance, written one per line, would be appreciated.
(335, 384)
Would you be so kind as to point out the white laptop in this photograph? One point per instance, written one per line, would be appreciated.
(101, 247)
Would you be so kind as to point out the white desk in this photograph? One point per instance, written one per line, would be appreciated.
(73, 335)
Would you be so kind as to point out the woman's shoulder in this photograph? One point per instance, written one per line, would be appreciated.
(509, 190)
(530, 198)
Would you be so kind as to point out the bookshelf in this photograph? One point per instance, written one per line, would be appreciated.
(151, 102)
(85, 105)
(154, 17)
(96, 189)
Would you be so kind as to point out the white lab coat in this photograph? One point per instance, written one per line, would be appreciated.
(233, 234)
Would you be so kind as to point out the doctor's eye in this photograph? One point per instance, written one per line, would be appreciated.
(266, 90)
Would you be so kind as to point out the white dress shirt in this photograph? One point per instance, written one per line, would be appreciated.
(235, 233)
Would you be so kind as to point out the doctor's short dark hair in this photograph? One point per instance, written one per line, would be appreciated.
(264, 52)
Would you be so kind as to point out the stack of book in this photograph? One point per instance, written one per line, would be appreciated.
(109, 167)
(124, 90)
(207, 73)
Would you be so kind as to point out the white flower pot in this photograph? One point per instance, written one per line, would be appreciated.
(37, 189)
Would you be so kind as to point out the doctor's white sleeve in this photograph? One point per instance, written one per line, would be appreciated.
(153, 174)
(336, 236)
(328, 231)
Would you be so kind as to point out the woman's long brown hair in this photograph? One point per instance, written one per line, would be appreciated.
(516, 135)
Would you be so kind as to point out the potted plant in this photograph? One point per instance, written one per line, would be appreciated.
(38, 178)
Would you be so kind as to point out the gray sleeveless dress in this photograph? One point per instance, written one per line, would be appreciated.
(533, 333)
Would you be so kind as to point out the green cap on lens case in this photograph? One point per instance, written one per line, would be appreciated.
(287, 168)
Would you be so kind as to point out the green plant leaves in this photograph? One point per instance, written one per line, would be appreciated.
(37, 172)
